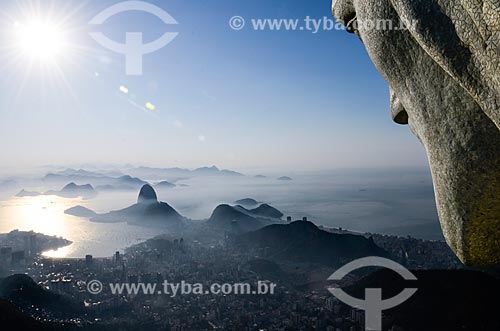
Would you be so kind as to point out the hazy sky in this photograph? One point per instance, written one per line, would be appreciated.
(237, 99)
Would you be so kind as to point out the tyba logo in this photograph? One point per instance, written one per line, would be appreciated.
(134, 49)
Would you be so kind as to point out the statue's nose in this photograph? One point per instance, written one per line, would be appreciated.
(398, 111)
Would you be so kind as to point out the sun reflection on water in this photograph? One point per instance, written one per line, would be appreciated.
(45, 214)
(59, 253)
(42, 214)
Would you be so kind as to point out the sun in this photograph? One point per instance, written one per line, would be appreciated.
(40, 40)
(41, 48)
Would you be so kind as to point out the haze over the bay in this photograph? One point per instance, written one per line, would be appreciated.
(242, 105)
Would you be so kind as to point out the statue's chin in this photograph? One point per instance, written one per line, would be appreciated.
(469, 209)
(464, 155)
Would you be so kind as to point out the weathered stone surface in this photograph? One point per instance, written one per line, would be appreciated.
(444, 77)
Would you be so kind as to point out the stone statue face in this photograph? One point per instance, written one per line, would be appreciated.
(444, 83)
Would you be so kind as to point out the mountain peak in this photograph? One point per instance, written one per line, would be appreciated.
(303, 241)
(235, 219)
(208, 169)
(266, 210)
(247, 202)
(73, 187)
(147, 194)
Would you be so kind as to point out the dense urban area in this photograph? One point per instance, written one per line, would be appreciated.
(300, 301)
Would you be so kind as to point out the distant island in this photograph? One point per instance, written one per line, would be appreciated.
(285, 178)
(23, 193)
(71, 190)
(80, 211)
(165, 184)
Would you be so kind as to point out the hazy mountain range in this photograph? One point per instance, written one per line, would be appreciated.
(149, 211)
(71, 190)
(161, 173)
(132, 180)
(148, 173)
(100, 182)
